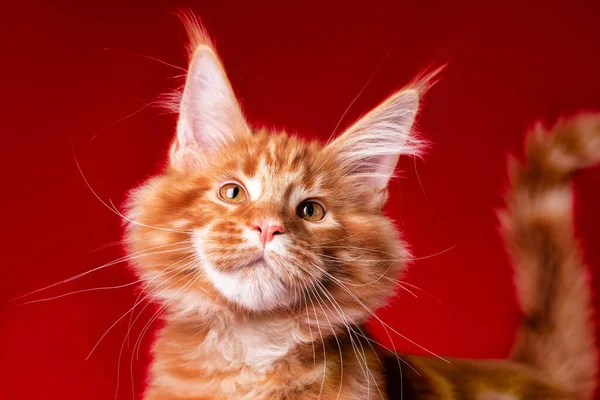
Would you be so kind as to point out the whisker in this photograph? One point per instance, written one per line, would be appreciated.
(354, 329)
(81, 291)
(140, 109)
(350, 336)
(342, 318)
(407, 259)
(402, 283)
(126, 258)
(383, 275)
(335, 280)
(312, 340)
(191, 256)
(157, 315)
(337, 341)
(148, 57)
(110, 244)
(398, 358)
(345, 246)
(134, 240)
(112, 208)
(323, 343)
(181, 268)
(110, 328)
(357, 96)
(391, 351)
(404, 288)
(344, 321)
(149, 324)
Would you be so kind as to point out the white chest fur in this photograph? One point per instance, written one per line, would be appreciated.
(254, 345)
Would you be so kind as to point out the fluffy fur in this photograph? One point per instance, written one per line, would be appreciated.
(550, 276)
(245, 319)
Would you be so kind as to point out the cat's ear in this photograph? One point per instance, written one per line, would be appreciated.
(370, 148)
(209, 113)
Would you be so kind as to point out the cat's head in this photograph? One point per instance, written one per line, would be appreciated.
(252, 221)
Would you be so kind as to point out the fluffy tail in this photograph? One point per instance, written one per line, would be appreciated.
(557, 336)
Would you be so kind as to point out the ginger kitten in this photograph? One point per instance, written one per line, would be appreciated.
(267, 253)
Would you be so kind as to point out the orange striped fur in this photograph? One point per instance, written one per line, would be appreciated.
(264, 299)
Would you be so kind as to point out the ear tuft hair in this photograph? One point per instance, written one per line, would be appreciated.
(197, 35)
(209, 113)
(369, 149)
(425, 80)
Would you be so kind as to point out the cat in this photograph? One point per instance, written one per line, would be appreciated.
(267, 253)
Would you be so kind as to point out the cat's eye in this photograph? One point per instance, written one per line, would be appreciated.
(233, 193)
(310, 210)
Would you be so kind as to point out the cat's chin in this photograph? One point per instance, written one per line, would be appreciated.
(255, 287)
(258, 261)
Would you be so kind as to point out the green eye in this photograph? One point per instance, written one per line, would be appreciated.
(232, 193)
(311, 211)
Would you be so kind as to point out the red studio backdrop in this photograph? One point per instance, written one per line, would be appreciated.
(80, 78)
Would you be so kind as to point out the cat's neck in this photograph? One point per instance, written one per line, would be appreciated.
(237, 341)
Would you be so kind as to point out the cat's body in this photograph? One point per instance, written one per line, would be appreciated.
(268, 253)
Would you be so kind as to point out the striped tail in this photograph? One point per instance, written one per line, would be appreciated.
(557, 335)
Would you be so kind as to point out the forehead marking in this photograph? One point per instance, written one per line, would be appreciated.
(254, 187)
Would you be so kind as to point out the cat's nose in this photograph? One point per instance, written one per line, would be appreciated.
(268, 230)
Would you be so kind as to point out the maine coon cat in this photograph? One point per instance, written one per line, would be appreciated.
(267, 253)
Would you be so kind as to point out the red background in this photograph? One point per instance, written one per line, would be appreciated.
(69, 83)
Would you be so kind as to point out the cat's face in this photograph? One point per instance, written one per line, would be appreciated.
(270, 205)
(260, 222)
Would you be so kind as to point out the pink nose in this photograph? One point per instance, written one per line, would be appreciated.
(267, 231)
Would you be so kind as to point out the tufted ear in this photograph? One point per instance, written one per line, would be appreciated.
(209, 114)
(370, 148)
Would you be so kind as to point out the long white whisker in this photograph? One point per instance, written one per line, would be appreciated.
(148, 57)
(157, 315)
(357, 96)
(360, 332)
(110, 328)
(140, 109)
(191, 256)
(403, 283)
(407, 259)
(129, 257)
(114, 209)
(181, 269)
(350, 336)
(110, 244)
(405, 289)
(335, 280)
(149, 324)
(82, 291)
(338, 343)
(389, 350)
(344, 320)
(398, 359)
(323, 343)
(312, 339)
